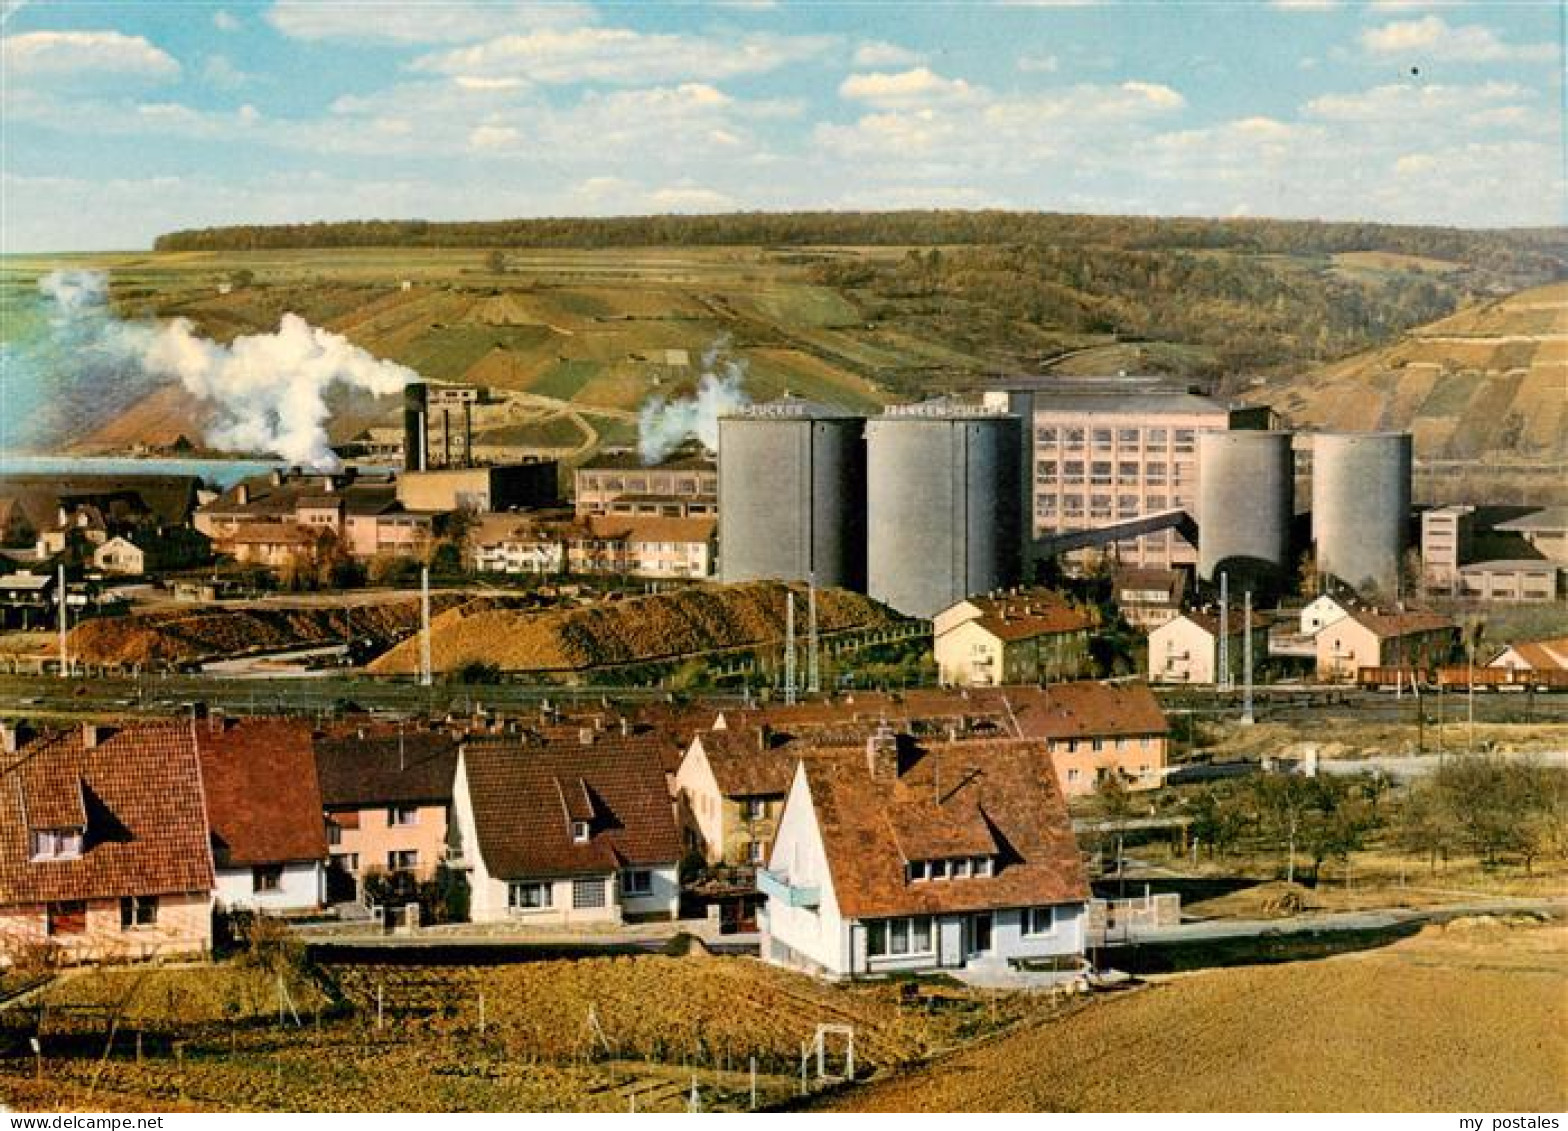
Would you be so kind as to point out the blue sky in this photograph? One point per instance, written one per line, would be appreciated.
(125, 120)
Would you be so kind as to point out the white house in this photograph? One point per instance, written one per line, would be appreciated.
(562, 835)
(1321, 612)
(897, 857)
(1014, 638)
(1186, 648)
(269, 841)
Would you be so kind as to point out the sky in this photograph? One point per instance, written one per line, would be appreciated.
(121, 121)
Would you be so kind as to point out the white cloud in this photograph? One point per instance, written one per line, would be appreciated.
(1408, 102)
(1432, 37)
(1038, 64)
(1413, 164)
(225, 21)
(44, 55)
(905, 88)
(219, 71)
(621, 55)
(879, 53)
(419, 21)
(690, 198)
(1306, 5)
(493, 137)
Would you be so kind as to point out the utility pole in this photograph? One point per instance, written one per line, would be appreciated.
(424, 627)
(65, 663)
(1247, 718)
(813, 665)
(789, 648)
(1223, 680)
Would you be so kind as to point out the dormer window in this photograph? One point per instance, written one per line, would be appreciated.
(579, 832)
(56, 844)
(949, 868)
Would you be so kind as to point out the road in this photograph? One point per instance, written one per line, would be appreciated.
(1372, 920)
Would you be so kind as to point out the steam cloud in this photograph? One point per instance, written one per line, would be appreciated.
(662, 425)
(269, 389)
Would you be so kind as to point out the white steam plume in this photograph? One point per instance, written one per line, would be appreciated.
(662, 425)
(269, 389)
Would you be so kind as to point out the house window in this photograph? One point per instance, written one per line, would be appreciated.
(346, 862)
(892, 937)
(579, 832)
(939, 869)
(402, 815)
(1072, 775)
(588, 893)
(66, 918)
(757, 852)
(138, 911)
(528, 896)
(918, 870)
(756, 810)
(1039, 921)
(266, 877)
(636, 882)
(983, 865)
(334, 833)
(57, 844)
(960, 868)
(403, 860)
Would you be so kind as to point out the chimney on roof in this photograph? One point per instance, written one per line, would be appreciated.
(585, 736)
(92, 735)
(13, 736)
(764, 737)
(242, 495)
(276, 477)
(882, 754)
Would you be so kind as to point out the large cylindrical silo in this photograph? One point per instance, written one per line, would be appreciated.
(792, 494)
(1246, 501)
(942, 505)
(1361, 506)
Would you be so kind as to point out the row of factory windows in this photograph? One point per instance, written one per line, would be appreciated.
(1099, 506)
(1101, 472)
(1104, 439)
(638, 484)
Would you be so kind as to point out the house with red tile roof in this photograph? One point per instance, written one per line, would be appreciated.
(1370, 639)
(564, 834)
(1021, 637)
(387, 795)
(1186, 648)
(902, 855)
(1533, 656)
(104, 851)
(269, 841)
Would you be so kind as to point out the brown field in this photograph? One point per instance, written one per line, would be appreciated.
(1471, 1017)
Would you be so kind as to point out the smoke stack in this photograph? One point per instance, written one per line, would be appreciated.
(415, 401)
(242, 495)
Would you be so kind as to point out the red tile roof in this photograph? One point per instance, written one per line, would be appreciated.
(140, 791)
(524, 799)
(374, 766)
(263, 799)
(1076, 710)
(958, 797)
(1389, 626)
(1025, 616)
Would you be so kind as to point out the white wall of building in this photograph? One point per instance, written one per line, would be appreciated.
(301, 887)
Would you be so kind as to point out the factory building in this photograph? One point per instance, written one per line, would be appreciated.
(1107, 450)
(686, 485)
(1361, 506)
(792, 494)
(509, 486)
(1246, 501)
(942, 504)
(438, 425)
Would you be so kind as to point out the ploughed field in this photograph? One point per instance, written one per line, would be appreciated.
(1468, 1017)
(595, 1034)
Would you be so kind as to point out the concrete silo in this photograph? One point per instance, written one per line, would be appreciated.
(942, 503)
(1361, 506)
(792, 494)
(1246, 502)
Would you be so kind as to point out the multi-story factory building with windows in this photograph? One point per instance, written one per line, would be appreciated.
(1101, 454)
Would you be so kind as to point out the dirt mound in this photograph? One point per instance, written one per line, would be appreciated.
(640, 630)
(180, 637)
